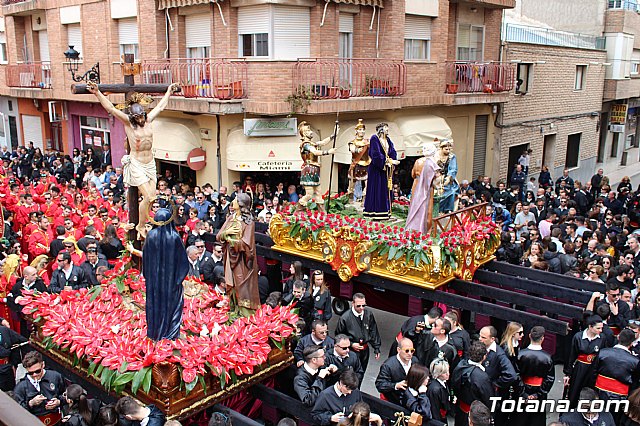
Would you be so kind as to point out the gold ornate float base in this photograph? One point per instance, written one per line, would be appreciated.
(165, 390)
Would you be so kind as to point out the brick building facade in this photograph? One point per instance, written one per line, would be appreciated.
(228, 80)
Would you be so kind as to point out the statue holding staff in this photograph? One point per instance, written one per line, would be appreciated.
(359, 148)
(310, 174)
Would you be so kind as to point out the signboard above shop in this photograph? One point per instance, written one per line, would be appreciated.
(618, 114)
(256, 127)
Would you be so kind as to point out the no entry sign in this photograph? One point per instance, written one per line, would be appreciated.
(197, 159)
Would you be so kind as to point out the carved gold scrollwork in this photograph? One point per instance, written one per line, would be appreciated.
(345, 273)
(398, 266)
(362, 258)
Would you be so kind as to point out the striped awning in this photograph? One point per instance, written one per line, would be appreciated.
(166, 4)
(362, 2)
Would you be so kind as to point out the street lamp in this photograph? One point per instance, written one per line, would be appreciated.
(73, 60)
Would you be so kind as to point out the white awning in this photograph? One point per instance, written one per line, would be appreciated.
(420, 130)
(348, 133)
(174, 138)
(270, 153)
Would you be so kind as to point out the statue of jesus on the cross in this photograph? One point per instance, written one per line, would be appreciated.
(139, 166)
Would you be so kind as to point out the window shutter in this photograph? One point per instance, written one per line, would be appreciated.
(291, 32)
(254, 19)
(346, 22)
(32, 128)
(480, 145)
(74, 37)
(128, 31)
(464, 35)
(417, 27)
(198, 30)
(43, 41)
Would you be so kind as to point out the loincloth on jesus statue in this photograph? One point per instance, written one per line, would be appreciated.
(135, 173)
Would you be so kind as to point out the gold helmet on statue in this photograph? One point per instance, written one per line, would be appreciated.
(360, 125)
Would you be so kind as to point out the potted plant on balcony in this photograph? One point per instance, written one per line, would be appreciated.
(190, 90)
(300, 99)
(376, 86)
(345, 91)
(452, 88)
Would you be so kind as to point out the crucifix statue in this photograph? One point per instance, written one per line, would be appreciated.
(139, 167)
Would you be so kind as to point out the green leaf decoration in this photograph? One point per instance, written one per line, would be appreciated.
(371, 249)
(191, 385)
(118, 389)
(277, 343)
(203, 384)
(234, 377)
(123, 367)
(137, 380)
(120, 286)
(123, 379)
(223, 378)
(95, 292)
(92, 368)
(392, 253)
(146, 382)
(98, 372)
(294, 230)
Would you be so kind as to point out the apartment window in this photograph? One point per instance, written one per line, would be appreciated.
(470, 43)
(94, 132)
(581, 77)
(128, 36)
(524, 78)
(573, 151)
(74, 37)
(417, 37)
(198, 35)
(274, 31)
(635, 67)
(3, 48)
(255, 44)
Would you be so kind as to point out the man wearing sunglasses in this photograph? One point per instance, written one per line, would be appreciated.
(360, 326)
(40, 391)
(391, 381)
(310, 377)
(344, 359)
(620, 312)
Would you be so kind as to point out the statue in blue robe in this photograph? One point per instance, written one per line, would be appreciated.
(449, 165)
(164, 266)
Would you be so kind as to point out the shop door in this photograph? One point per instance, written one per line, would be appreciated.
(514, 153)
(13, 132)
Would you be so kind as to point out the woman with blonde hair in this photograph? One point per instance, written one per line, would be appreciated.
(361, 415)
(11, 271)
(437, 390)
(40, 263)
(321, 297)
(511, 339)
(533, 255)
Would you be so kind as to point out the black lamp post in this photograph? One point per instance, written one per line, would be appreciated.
(73, 61)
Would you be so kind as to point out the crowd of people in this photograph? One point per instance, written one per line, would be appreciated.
(66, 223)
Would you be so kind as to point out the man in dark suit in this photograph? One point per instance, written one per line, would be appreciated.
(300, 300)
(67, 275)
(9, 359)
(40, 391)
(29, 281)
(106, 155)
(391, 381)
(360, 326)
(343, 359)
(471, 383)
(334, 403)
(575, 418)
(416, 327)
(311, 376)
(133, 414)
(319, 336)
(91, 265)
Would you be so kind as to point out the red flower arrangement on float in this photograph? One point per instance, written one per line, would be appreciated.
(392, 241)
(106, 326)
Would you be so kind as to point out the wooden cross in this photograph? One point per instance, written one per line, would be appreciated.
(129, 70)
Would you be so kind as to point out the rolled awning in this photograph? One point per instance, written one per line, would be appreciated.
(420, 130)
(174, 138)
(166, 4)
(347, 134)
(268, 153)
(362, 2)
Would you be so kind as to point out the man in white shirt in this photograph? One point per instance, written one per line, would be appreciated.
(523, 218)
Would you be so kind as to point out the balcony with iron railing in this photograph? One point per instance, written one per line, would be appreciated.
(472, 77)
(31, 75)
(333, 78)
(17, 7)
(213, 78)
(518, 33)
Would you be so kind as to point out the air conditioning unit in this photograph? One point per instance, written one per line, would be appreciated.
(157, 77)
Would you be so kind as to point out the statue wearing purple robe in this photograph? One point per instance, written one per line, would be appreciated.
(377, 203)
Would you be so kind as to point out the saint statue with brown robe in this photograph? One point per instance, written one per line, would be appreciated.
(237, 236)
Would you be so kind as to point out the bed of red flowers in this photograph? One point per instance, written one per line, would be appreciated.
(106, 326)
(392, 241)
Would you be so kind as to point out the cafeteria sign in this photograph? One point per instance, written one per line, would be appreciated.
(618, 114)
(270, 126)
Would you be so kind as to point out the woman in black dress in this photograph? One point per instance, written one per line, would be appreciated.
(79, 410)
(110, 245)
(321, 296)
